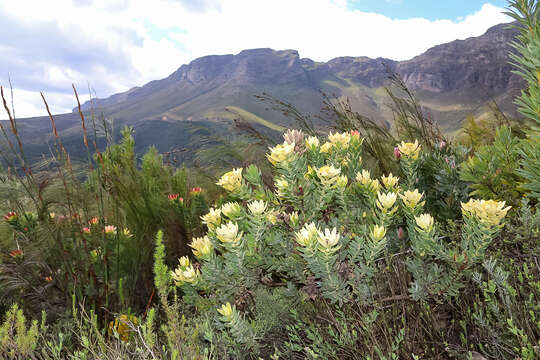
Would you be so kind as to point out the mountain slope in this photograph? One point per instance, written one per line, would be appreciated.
(451, 80)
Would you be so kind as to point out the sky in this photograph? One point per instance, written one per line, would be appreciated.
(113, 45)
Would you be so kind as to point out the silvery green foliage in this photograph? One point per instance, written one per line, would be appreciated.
(328, 228)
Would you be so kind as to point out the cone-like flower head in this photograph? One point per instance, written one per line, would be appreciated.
(409, 150)
(328, 174)
(488, 212)
(281, 153)
(257, 207)
(231, 180)
(328, 240)
(424, 222)
(228, 233)
(202, 246)
(212, 219)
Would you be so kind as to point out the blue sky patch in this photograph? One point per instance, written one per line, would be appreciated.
(428, 9)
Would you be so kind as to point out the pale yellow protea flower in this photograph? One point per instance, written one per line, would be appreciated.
(411, 199)
(307, 235)
(282, 186)
(231, 209)
(231, 180)
(424, 222)
(328, 174)
(378, 232)
(184, 261)
(363, 177)
(342, 181)
(202, 246)
(227, 311)
(375, 185)
(488, 212)
(410, 150)
(341, 140)
(281, 153)
(127, 233)
(389, 181)
(212, 219)
(312, 142)
(293, 218)
(271, 217)
(328, 240)
(257, 207)
(386, 201)
(326, 148)
(228, 233)
(186, 275)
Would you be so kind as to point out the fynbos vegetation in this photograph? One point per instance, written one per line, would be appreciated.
(359, 243)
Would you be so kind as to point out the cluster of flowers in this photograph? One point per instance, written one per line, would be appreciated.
(107, 229)
(337, 155)
(185, 272)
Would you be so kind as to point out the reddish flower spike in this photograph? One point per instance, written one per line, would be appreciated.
(15, 253)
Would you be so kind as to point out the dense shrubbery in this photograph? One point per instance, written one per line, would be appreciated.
(335, 258)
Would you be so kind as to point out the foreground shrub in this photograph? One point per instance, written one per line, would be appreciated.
(332, 239)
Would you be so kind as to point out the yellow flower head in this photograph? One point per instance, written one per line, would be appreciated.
(411, 199)
(389, 181)
(341, 140)
(231, 180)
(212, 219)
(227, 311)
(328, 174)
(281, 153)
(202, 246)
(307, 235)
(342, 181)
(386, 201)
(375, 185)
(228, 233)
(424, 222)
(271, 217)
(187, 275)
(409, 150)
(231, 209)
(183, 261)
(312, 142)
(257, 207)
(326, 148)
(293, 218)
(328, 240)
(378, 232)
(363, 177)
(488, 212)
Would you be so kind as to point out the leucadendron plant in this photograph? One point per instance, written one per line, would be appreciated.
(326, 230)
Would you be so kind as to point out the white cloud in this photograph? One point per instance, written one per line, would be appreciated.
(117, 44)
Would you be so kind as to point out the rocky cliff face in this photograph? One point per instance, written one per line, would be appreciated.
(478, 63)
(475, 62)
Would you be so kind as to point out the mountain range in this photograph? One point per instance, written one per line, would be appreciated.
(451, 80)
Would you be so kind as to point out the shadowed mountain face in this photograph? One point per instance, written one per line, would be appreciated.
(451, 80)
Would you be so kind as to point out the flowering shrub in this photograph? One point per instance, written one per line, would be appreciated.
(328, 230)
